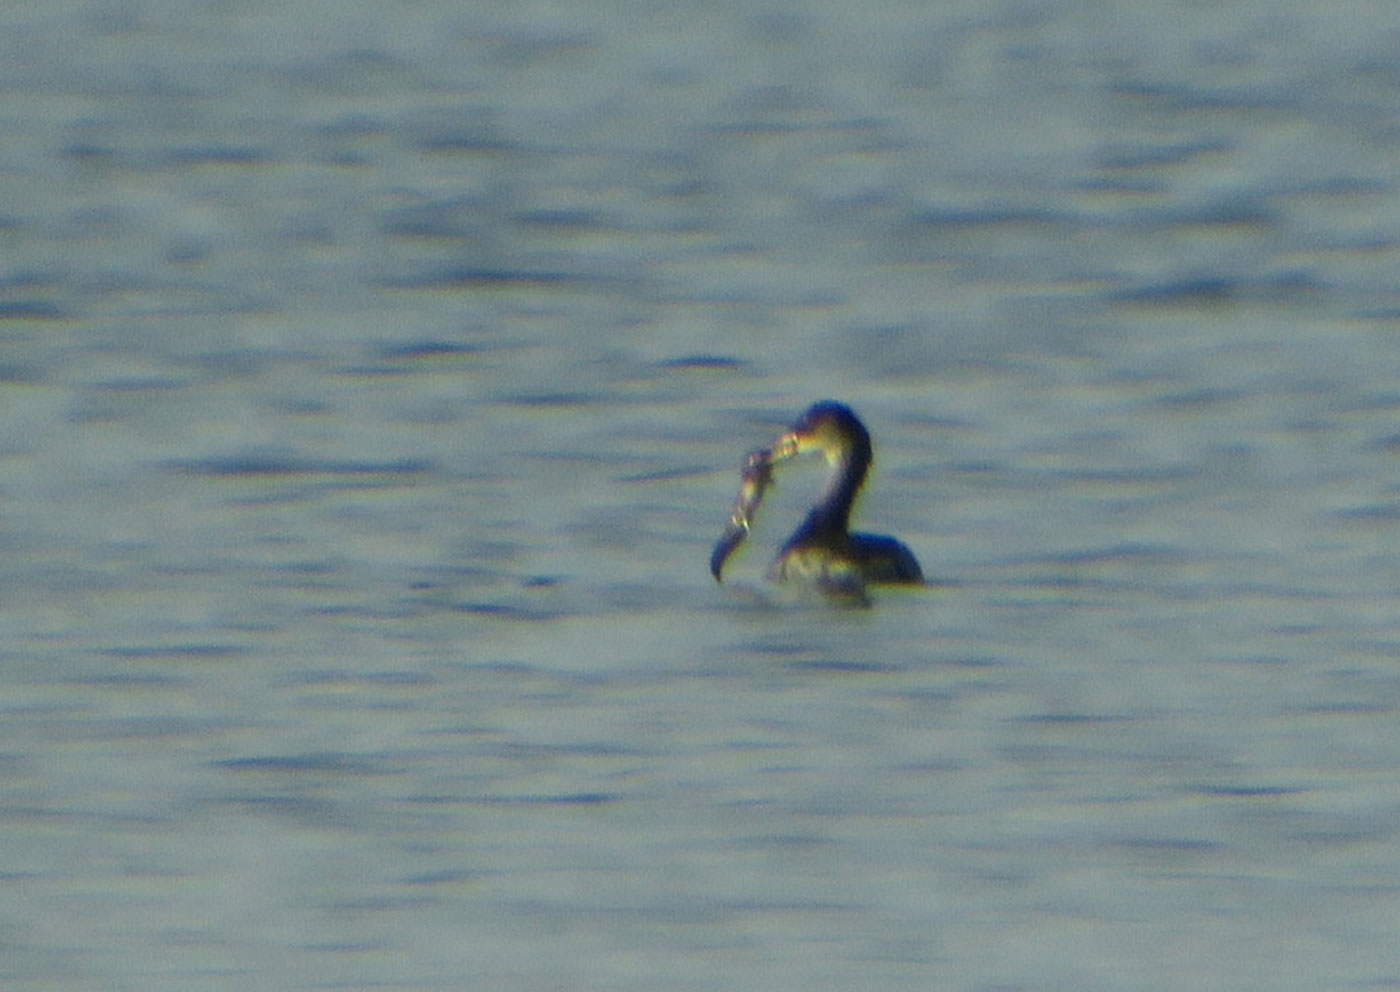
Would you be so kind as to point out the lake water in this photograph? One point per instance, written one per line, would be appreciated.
(375, 381)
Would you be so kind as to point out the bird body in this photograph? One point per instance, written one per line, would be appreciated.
(822, 550)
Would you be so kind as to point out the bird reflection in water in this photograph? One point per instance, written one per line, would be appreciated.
(822, 551)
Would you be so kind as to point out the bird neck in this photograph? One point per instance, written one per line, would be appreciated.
(832, 512)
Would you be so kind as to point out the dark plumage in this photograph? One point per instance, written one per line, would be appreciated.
(822, 550)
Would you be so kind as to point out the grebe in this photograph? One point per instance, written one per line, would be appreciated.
(822, 550)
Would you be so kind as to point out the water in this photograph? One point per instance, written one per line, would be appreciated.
(376, 379)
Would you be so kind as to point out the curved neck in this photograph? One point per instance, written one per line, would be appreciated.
(832, 512)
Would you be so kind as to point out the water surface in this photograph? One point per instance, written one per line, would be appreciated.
(375, 382)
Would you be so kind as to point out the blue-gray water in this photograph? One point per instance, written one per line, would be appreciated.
(375, 379)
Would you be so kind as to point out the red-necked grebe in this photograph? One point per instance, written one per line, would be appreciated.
(822, 550)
